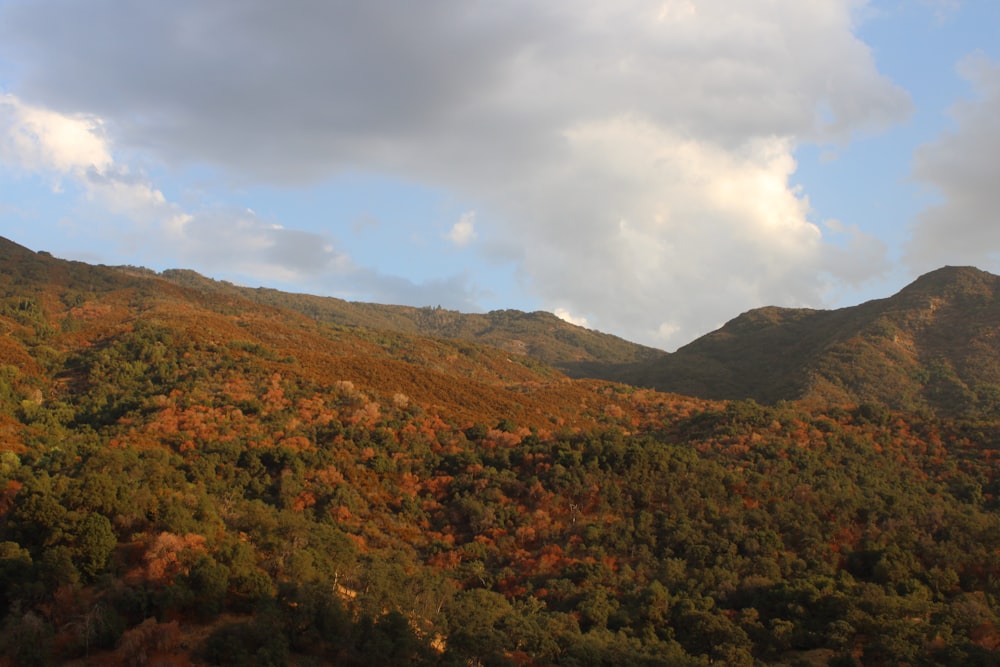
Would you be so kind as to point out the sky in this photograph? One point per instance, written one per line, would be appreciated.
(650, 169)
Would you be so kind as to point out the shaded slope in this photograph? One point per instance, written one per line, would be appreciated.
(933, 345)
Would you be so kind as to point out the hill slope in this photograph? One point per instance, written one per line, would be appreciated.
(934, 345)
(56, 314)
(190, 477)
(574, 350)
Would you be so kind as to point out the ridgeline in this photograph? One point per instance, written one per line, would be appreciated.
(195, 473)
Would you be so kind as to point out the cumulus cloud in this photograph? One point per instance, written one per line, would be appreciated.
(634, 156)
(255, 86)
(37, 139)
(43, 141)
(144, 223)
(693, 233)
(463, 232)
(567, 316)
(961, 167)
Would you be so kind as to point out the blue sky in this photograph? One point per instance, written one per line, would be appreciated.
(649, 169)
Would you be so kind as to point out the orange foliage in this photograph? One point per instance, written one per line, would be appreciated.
(328, 476)
(497, 438)
(275, 399)
(8, 494)
(10, 435)
(550, 558)
(297, 443)
(304, 500)
(340, 514)
(171, 554)
(409, 484)
(367, 414)
(445, 560)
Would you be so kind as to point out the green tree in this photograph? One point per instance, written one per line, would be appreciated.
(93, 544)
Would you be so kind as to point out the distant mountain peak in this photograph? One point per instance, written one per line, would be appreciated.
(953, 281)
(933, 345)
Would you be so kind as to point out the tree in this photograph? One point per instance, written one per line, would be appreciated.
(473, 620)
(93, 545)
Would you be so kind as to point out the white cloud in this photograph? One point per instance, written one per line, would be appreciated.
(74, 146)
(634, 157)
(37, 139)
(463, 232)
(566, 316)
(383, 84)
(961, 166)
(690, 233)
(143, 222)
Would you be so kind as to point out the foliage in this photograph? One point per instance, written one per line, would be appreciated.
(187, 461)
(928, 348)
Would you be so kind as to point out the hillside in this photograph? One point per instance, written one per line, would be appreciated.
(189, 477)
(573, 350)
(64, 309)
(934, 345)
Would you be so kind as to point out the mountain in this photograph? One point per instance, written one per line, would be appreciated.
(574, 350)
(935, 345)
(191, 477)
(56, 313)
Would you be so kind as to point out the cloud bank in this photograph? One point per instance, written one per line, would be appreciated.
(961, 167)
(634, 158)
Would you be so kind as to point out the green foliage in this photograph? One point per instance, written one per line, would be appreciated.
(929, 348)
(93, 542)
(209, 581)
(27, 638)
(15, 572)
(254, 643)
(174, 467)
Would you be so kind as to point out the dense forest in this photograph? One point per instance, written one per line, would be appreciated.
(188, 477)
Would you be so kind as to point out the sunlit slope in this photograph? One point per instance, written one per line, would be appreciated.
(59, 317)
(574, 350)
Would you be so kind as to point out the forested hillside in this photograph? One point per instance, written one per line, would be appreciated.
(541, 336)
(933, 346)
(188, 477)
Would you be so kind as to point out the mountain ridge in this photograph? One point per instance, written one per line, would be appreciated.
(188, 476)
(59, 314)
(932, 345)
(540, 335)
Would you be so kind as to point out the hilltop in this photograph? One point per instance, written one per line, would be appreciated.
(571, 349)
(932, 346)
(71, 309)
